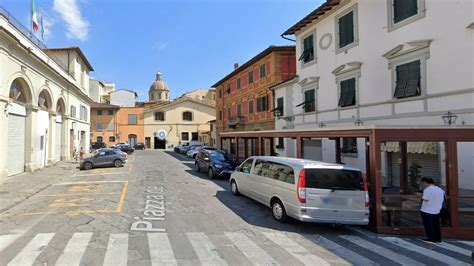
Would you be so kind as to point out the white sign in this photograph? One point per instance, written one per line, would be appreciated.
(161, 134)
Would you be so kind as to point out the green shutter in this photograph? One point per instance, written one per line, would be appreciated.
(346, 29)
(403, 9)
(343, 94)
(309, 101)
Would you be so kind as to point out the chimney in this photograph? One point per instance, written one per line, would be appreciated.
(236, 65)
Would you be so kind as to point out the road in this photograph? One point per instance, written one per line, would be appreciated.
(156, 210)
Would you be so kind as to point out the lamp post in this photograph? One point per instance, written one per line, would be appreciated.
(449, 118)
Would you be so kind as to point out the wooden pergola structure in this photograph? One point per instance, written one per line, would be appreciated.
(375, 137)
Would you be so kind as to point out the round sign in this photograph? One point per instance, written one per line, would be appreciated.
(161, 134)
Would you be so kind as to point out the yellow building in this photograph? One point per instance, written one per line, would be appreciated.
(184, 119)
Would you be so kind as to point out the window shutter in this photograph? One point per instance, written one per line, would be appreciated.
(343, 96)
(350, 99)
(350, 27)
(342, 35)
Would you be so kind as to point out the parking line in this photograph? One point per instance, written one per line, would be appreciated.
(122, 197)
(89, 182)
(78, 194)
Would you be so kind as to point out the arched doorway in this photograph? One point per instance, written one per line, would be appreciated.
(43, 128)
(20, 95)
(59, 146)
(132, 139)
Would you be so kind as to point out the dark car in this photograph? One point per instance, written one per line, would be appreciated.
(215, 162)
(139, 146)
(103, 157)
(97, 145)
(125, 148)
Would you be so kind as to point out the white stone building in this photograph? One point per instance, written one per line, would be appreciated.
(366, 62)
(123, 98)
(44, 100)
(97, 90)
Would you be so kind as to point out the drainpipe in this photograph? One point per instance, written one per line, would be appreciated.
(288, 39)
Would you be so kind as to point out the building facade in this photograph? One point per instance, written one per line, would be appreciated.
(123, 98)
(244, 100)
(130, 125)
(44, 98)
(104, 123)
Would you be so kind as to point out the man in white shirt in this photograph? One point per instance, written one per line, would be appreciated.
(432, 202)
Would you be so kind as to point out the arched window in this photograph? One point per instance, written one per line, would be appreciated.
(44, 100)
(187, 116)
(159, 116)
(18, 91)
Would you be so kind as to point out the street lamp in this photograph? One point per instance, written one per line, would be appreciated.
(449, 118)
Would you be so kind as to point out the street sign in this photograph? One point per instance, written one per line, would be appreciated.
(161, 134)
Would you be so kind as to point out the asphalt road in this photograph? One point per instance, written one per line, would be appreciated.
(156, 210)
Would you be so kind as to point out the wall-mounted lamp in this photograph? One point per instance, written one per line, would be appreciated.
(449, 118)
(321, 125)
(358, 122)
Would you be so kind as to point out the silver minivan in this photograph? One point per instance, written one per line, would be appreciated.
(305, 190)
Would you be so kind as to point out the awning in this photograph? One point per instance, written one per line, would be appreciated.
(412, 147)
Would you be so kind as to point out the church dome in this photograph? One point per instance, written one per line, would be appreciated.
(159, 84)
(159, 90)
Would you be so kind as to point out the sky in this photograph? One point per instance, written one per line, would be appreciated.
(194, 43)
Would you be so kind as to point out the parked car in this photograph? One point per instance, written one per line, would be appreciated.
(139, 146)
(192, 153)
(96, 146)
(185, 149)
(125, 148)
(304, 190)
(178, 147)
(103, 157)
(215, 162)
(118, 144)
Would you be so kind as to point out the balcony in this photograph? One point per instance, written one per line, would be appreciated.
(233, 122)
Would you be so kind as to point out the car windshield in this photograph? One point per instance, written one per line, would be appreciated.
(334, 179)
(219, 156)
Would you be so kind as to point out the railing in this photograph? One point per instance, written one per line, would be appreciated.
(29, 34)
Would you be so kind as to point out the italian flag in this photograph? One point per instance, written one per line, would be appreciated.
(34, 16)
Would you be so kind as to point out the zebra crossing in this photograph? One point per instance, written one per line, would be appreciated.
(259, 249)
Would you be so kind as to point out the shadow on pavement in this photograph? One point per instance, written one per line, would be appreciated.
(253, 212)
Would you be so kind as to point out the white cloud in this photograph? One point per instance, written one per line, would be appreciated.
(48, 23)
(77, 27)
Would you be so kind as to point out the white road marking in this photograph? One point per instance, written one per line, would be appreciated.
(161, 252)
(74, 250)
(299, 252)
(253, 252)
(7, 240)
(427, 252)
(343, 252)
(469, 243)
(117, 249)
(456, 249)
(205, 250)
(381, 251)
(28, 254)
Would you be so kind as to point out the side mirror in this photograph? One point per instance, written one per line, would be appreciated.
(238, 169)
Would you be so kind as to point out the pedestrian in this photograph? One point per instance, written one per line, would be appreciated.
(432, 202)
(74, 154)
(81, 154)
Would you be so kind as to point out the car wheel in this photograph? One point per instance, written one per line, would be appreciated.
(196, 166)
(210, 173)
(233, 188)
(278, 211)
(87, 166)
(118, 163)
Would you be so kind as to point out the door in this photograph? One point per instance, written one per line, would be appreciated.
(261, 170)
(101, 159)
(160, 144)
(16, 140)
(243, 175)
(312, 149)
(58, 140)
(132, 140)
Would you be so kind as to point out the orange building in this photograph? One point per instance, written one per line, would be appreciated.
(104, 123)
(130, 125)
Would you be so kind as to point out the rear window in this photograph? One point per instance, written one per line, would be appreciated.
(334, 179)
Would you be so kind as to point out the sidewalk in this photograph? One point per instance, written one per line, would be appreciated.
(19, 188)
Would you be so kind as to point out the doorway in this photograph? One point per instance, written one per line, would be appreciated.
(132, 140)
(160, 143)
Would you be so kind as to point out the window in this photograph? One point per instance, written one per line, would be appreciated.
(111, 112)
(262, 168)
(250, 76)
(403, 9)
(334, 179)
(309, 103)
(228, 88)
(279, 105)
(73, 111)
(132, 119)
(239, 85)
(99, 112)
(263, 71)
(83, 112)
(262, 104)
(349, 145)
(110, 127)
(98, 126)
(159, 116)
(194, 136)
(229, 113)
(408, 80)
(187, 116)
(281, 143)
(246, 166)
(112, 139)
(347, 92)
(282, 173)
(347, 32)
(185, 136)
(308, 50)
(100, 139)
(239, 110)
(220, 115)
(250, 107)
(220, 93)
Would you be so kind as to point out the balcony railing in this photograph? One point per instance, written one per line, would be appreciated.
(235, 121)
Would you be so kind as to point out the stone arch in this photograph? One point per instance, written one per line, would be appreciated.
(20, 90)
(45, 99)
(60, 106)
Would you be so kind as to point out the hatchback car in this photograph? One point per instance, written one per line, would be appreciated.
(125, 148)
(103, 157)
(216, 163)
(304, 190)
(139, 146)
